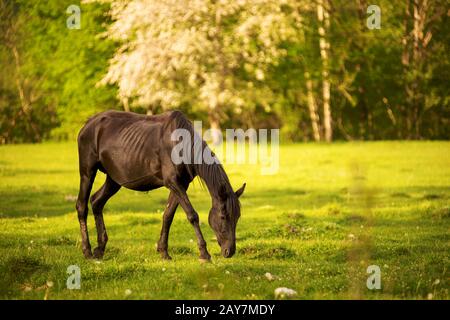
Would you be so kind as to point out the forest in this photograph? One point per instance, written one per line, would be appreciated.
(320, 70)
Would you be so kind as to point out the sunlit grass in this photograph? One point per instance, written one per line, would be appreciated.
(330, 212)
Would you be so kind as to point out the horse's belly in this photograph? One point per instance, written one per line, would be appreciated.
(144, 184)
(129, 153)
(135, 173)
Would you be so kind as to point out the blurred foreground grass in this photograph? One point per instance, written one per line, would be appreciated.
(330, 212)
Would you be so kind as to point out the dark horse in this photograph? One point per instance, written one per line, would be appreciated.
(134, 151)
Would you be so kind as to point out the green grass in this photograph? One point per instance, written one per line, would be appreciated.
(330, 212)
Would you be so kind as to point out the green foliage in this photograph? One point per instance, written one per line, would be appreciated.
(239, 63)
(57, 68)
(332, 211)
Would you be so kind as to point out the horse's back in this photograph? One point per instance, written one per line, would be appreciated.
(114, 122)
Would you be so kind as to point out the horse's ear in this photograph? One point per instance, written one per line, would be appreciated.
(240, 191)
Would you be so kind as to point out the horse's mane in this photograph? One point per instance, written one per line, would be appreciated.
(213, 175)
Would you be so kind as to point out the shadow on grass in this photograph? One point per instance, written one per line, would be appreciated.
(18, 270)
(314, 198)
(34, 171)
(34, 202)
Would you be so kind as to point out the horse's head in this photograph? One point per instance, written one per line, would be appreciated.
(223, 218)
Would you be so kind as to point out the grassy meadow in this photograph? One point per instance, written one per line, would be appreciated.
(330, 212)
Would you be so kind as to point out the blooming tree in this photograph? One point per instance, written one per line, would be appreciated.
(209, 54)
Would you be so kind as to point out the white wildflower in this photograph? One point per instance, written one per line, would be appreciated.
(283, 292)
(270, 276)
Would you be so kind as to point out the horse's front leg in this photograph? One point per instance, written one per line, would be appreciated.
(192, 216)
(172, 204)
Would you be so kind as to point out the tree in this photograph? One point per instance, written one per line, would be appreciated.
(48, 87)
(313, 69)
(420, 19)
(19, 102)
(211, 55)
(312, 106)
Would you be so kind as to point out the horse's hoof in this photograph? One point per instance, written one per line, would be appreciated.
(87, 254)
(166, 257)
(98, 253)
(205, 260)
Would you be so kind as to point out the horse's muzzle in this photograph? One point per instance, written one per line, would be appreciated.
(228, 252)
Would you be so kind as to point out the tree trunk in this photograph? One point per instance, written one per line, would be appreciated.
(215, 110)
(415, 42)
(215, 128)
(403, 131)
(126, 105)
(420, 8)
(366, 123)
(25, 103)
(312, 107)
(324, 24)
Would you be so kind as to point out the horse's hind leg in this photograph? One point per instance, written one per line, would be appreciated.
(172, 204)
(87, 177)
(98, 201)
